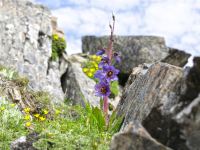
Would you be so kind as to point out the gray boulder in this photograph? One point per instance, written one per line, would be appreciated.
(176, 57)
(25, 142)
(77, 86)
(25, 42)
(135, 137)
(134, 50)
(169, 129)
(164, 99)
(151, 87)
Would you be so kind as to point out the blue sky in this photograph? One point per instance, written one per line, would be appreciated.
(178, 21)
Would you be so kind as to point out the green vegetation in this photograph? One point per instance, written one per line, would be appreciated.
(42, 99)
(11, 124)
(10, 74)
(58, 126)
(114, 87)
(58, 46)
(71, 127)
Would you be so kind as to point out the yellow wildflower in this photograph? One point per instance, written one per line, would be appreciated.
(98, 58)
(89, 74)
(55, 36)
(28, 124)
(42, 118)
(94, 57)
(12, 105)
(27, 117)
(85, 70)
(96, 66)
(92, 70)
(45, 111)
(93, 62)
(2, 108)
(27, 110)
(36, 115)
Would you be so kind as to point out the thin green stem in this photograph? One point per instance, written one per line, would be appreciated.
(105, 108)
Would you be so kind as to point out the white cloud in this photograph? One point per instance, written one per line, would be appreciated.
(73, 45)
(178, 21)
(110, 5)
(166, 18)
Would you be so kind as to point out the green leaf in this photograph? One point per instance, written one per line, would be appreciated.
(99, 116)
(112, 117)
(101, 103)
(115, 123)
(114, 87)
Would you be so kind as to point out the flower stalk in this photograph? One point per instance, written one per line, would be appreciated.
(109, 54)
(111, 40)
(106, 73)
(105, 108)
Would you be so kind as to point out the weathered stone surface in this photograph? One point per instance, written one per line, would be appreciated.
(25, 42)
(56, 30)
(180, 131)
(164, 99)
(176, 57)
(171, 131)
(25, 142)
(77, 86)
(135, 137)
(151, 87)
(189, 120)
(134, 50)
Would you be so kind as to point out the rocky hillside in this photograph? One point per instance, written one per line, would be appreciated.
(47, 99)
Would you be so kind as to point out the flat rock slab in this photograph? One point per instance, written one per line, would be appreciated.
(135, 137)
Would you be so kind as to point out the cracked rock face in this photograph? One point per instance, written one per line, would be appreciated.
(25, 44)
(134, 50)
(152, 85)
(165, 100)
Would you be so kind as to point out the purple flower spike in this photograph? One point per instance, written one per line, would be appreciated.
(99, 74)
(117, 57)
(111, 73)
(104, 62)
(100, 52)
(102, 89)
